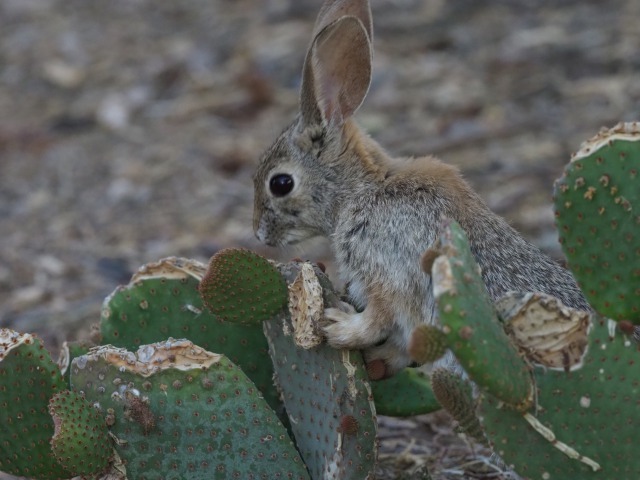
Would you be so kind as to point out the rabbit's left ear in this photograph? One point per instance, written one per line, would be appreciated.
(337, 72)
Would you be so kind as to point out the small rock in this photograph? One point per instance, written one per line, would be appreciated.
(51, 265)
(27, 297)
(62, 74)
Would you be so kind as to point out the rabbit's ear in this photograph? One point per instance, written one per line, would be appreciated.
(333, 10)
(337, 72)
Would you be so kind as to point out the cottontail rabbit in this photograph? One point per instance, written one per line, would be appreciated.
(323, 176)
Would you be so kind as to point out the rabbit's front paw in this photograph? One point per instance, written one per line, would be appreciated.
(351, 330)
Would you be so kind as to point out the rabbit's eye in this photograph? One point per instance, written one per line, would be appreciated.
(281, 184)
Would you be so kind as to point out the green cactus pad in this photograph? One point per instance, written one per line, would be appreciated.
(593, 409)
(179, 412)
(597, 204)
(243, 287)
(323, 390)
(456, 397)
(162, 300)
(81, 440)
(28, 379)
(473, 331)
(428, 343)
(320, 386)
(405, 394)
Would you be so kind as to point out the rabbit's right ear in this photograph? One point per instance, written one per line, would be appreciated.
(337, 70)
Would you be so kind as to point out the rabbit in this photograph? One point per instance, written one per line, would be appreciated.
(324, 176)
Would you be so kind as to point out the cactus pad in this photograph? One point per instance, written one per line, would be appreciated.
(241, 286)
(456, 397)
(428, 343)
(81, 441)
(405, 394)
(474, 333)
(593, 409)
(547, 333)
(597, 204)
(324, 391)
(28, 379)
(162, 300)
(177, 411)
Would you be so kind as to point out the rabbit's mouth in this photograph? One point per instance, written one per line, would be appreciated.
(283, 238)
(294, 236)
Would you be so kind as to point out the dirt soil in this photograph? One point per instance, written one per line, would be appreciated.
(129, 130)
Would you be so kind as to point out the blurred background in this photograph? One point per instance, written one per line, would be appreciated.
(129, 129)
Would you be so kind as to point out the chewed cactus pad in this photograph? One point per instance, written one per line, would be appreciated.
(593, 409)
(28, 379)
(597, 204)
(319, 389)
(327, 396)
(242, 286)
(546, 332)
(177, 411)
(162, 300)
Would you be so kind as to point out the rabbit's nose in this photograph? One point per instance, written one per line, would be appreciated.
(260, 229)
(259, 233)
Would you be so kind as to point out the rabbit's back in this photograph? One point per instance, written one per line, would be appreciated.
(383, 230)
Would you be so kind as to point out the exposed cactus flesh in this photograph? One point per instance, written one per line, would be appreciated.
(548, 333)
(162, 300)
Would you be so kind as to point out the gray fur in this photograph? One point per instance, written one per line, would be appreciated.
(381, 213)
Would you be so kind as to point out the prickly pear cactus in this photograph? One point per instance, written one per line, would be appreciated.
(243, 287)
(546, 332)
(428, 343)
(162, 300)
(28, 379)
(589, 414)
(177, 411)
(81, 440)
(472, 329)
(597, 204)
(455, 394)
(326, 393)
(407, 393)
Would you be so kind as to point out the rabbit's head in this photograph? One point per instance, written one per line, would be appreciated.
(302, 178)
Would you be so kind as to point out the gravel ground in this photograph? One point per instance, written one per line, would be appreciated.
(129, 130)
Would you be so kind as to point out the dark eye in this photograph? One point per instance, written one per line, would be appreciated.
(281, 184)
